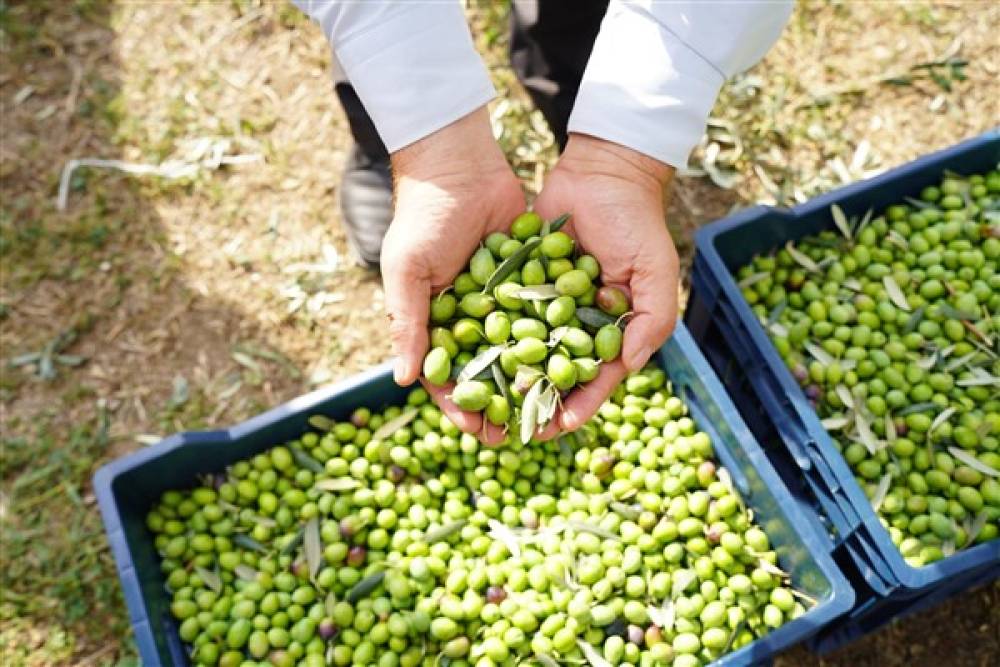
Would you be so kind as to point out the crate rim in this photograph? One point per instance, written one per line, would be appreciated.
(906, 576)
(840, 600)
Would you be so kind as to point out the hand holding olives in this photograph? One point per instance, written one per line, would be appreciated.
(525, 324)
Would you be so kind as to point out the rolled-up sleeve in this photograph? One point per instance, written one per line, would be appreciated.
(657, 68)
(413, 64)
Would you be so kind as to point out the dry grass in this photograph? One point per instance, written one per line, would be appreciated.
(199, 302)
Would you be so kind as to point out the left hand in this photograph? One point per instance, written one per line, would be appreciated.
(615, 196)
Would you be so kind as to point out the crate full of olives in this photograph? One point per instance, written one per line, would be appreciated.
(358, 526)
(866, 325)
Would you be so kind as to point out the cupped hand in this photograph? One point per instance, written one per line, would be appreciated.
(452, 188)
(615, 196)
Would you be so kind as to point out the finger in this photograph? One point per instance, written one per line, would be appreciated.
(585, 400)
(654, 304)
(407, 303)
(491, 434)
(470, 422)
(550, 430)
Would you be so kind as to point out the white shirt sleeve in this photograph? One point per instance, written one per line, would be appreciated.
(413, 64)
(657, 67)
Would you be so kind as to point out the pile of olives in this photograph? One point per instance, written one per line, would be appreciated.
(891, 325)
(519, 329)
(395, 539)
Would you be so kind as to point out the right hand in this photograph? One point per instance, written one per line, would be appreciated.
(452, 189)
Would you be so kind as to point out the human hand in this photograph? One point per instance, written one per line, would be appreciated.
(615, 196)
(452, 189)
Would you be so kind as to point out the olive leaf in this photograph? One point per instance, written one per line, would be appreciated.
(245, 572)
(501, 382)
(955, 364)
(803, 260)
(548, 400)
(393, 425)
(897, 240)
(529, 411)
(771, 568)
(501, 533)
(247, 542)
(865, 434)
(917, 407)
(881, 491)
(481, 362)
(917, 203)
(306, 461)
(949, 311)
(971, 461)
(682, 580)
(330, 603)
(941, 419)
(313, 546)
(294, 543)
(980, 379)
(546, 660)
(895, 294)
(845, 396)
(320, 422)
(211, 578)
(914, 320)
(627, 511)
(890, 428)
(364, 587)
(779, 308)
(525, 378)
(594, 317)
(853, 284)
(865, 219)
(444, 532)
(584, 527)
(662, 616)
(835, 423)
(592, 655)
(558, 223)
(556, 336)
(948, 547)
(818, 353)
(973, 529)
(538, 293)
(802, 596)
(510, 265)
(753, 279)
(778, 330)
(338, 484)
(840, 220)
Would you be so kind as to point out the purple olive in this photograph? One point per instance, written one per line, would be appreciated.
(356, 556)
(496, 594)
(800, 373)
(396, 474)
(327, 629)
(636, 635)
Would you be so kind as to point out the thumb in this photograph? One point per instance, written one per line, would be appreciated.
(654, 302)
(407, 303)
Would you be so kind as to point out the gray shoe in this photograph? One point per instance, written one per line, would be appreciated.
(366, 205)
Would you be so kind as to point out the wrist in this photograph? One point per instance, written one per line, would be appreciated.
(463, 147)
(589, 154)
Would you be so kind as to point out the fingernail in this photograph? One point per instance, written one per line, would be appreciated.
(401, 371)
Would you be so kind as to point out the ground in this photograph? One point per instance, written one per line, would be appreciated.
(152, 305)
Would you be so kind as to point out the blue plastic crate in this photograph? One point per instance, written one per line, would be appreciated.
(778, 412)
(128, 487)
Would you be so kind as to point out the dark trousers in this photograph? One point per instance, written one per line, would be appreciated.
(550, 44)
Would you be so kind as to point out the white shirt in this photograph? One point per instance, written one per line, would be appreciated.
(650, 83)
